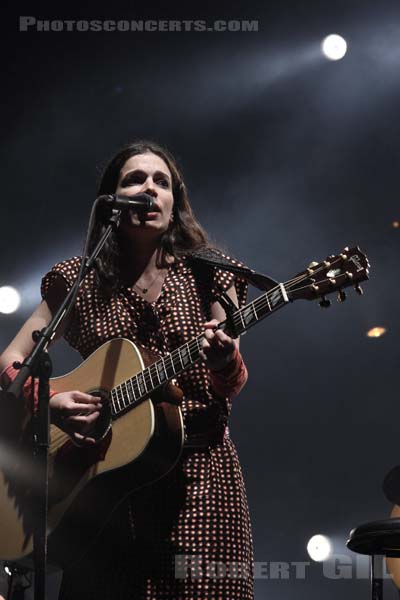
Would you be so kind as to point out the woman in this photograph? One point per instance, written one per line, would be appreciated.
(143, 288)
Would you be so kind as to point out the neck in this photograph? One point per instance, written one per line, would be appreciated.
(139, 257)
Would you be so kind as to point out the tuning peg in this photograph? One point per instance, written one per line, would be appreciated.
(359, 289)
(325, 303)
(311, 267)
(341, 296)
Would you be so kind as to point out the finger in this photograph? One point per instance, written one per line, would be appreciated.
(216, 343)
(76, 409)
(84, 438)
(87, 398)
(203, 356)
(205, 344)
(208, 334)
(224, 339)
(84, 418)
(211, 324)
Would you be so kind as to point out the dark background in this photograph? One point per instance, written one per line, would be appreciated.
(288, 158)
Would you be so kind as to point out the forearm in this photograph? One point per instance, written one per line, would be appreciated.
(229, 381)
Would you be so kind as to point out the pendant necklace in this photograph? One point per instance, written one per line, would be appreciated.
(146, 289)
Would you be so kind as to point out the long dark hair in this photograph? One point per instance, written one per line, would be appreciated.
(183, 236)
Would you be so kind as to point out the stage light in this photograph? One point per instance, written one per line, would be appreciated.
(334, 47)
(376, 332)
(319, 548)
(9, 299)
(396, 224)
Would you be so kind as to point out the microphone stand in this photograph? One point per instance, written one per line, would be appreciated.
(38, 365)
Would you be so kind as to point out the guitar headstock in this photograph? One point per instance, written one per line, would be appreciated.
(333, 274)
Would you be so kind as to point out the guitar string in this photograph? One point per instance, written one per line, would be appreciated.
(261, 302)
(59, 440)
(176, 356)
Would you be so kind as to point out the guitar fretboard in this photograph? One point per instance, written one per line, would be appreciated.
(138, 388)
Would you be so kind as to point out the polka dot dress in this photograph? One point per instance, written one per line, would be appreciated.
(188, 536)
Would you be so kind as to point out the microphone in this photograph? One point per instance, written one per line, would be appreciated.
(138, 203)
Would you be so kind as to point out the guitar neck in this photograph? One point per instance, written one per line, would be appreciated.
(134, 390)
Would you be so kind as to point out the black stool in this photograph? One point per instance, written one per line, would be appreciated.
(377, 539)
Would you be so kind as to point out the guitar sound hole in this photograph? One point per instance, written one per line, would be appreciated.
(102, 424)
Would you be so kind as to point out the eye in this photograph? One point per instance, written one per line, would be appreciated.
(132, 180)
(163, 182)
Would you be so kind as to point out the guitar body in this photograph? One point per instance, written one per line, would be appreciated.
(86, 483)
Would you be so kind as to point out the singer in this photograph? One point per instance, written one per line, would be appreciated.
(144, 289)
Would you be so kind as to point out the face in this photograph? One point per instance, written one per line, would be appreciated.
(147, 173)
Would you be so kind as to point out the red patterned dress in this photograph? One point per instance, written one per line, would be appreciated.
(188, 536)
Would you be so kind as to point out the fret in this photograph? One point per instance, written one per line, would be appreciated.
(113, 408)
(269, 305)
(254, 310)
(151, 379)
(171, 361)
(185, 355)
(141, 385)
(117, 398)
(135, 381)
(241, 318)
(133, 390)
(126, 396)
(156, 370)
(275, 297)
(180, 358)
(122, 394)
(162, 373)
(199, 346)
(248, 315)
(128, 392)
(146, 383)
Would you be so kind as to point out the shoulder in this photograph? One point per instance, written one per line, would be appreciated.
(64, 272)
(221, 270)
(67, 268)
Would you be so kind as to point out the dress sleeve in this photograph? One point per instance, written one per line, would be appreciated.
(62, 274)
(55, 285)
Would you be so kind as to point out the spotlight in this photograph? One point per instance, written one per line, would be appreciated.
(396, 224)
(9, 299)
(334, 47)
(376, 332)
(319, 548)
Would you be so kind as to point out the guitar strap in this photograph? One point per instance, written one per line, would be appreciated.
(205, 258)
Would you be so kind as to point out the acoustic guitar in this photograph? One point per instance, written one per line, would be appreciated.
(139, 432)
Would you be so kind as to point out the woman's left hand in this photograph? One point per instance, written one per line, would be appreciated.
(218, 348)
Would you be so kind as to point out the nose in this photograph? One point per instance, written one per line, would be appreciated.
(149, 188)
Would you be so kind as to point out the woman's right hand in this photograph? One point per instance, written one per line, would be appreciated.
(74, 412)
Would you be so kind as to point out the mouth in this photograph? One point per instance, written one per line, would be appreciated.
(151, 215)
